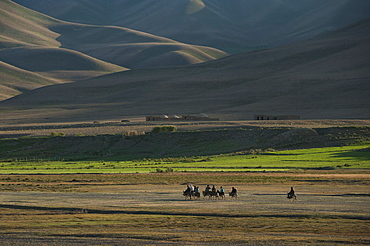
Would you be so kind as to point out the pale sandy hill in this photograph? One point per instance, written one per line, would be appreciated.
(13, 81)
(325, 77)
(31, 56)
(141, 55)
(130, 48)
(21, 26)
(69, 51)
(232, 26)
(24, 27)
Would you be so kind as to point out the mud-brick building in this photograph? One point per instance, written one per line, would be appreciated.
(276, 117)
(163, 118)
(198, 117)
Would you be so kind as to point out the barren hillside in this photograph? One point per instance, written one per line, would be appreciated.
(232, 26)
(326, 77)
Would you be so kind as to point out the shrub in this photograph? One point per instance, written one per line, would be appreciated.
(158, 170)
(167, 170)
(55, 134)
(158, 129)
(132, 133)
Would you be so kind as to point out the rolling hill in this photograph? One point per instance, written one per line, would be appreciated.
(132, 49)
(15, 80)
(24, 27)
(61, 52)
(32, 57)
(326, 77)
(232, 26)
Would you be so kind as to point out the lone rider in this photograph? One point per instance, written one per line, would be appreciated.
(291, 193)
(233, 192)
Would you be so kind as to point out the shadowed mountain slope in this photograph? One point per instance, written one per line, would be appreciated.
(64, 52)
(232, 26)
(43, 59)
(324, 77)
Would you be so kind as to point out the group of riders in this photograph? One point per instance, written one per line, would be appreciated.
(193, 191)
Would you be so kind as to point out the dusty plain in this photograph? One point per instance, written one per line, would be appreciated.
(332, 208)
(125, 209)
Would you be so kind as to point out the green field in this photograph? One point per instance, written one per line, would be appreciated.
(345, 157)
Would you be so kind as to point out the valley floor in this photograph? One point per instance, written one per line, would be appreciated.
(333, 211)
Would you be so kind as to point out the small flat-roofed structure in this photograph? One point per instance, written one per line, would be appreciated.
(277, 117)
(158, 118)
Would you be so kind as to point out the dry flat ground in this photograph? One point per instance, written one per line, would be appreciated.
(332, 211)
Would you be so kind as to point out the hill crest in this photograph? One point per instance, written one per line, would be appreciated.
(232, 26)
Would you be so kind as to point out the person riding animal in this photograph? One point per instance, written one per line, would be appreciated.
(291, 194)
(196, 191)
(191, 191)
(234, 192)
(221, 192)
(207, 190)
